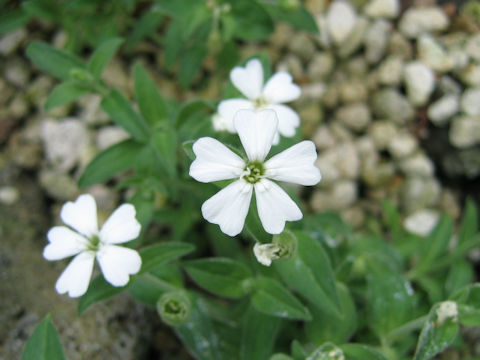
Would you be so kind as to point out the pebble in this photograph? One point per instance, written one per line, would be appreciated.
(390, 71)
(402, 145)
(58, 184)
(419, 193)
(376, 40)
(355, 116)
(383, 8)
(17, 72)
(471, 75)
(91, 111)
(443, 109)
(379, 174)
(389, 103)
(110, 135)
(419, 20)
(465, 131)
(419, 81)
(470, 101)
(323, 138)
(320, 66)
(473, 47)
(433, 54)
(421, 222)
(353, 91)
(10, 42)
(399, 46)
(417, 165)
(382, 133)
(9, 195)
(341, 19)
(302, 45)
(355, 40)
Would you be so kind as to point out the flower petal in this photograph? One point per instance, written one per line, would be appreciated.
(256, 130)
(275, 206)
(229, 207)
(81, 215)
(75, 278)
(295, 165)
(214, 161)
(228, 108)
(63, 243)
(280, 88)
(118, 263)
(288, 119)
(249, 80)
(121, 226)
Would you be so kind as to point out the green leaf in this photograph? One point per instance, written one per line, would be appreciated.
(65, 93)
(469, 226)
(327, 326)
(123, 114)
(300, 18)
(221, 276)
(252, 21)
(438, 332)
(12, 19)
(110, 162)
(158, 254)
(148, 23)
(390, 298)
(459, 275)
(310, 274)
(59, 63)
(468, 300)
(190, 108)
(327, 351)
(151, 104)
(103, 55)
(435, 244)
(98, 290)
(190, 63)
(258, 335)
(188, 148)
(361, 352)
(164, 144)
(272, 298)
(173, 43)
(44, 343)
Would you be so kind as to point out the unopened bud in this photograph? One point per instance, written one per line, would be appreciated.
(289, 5)
(447, 310)
(174, 307)
(283, 246)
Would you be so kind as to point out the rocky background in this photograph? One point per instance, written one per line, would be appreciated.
(391, 98)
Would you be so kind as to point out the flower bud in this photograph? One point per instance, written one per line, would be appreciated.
(283, 246)
(81, 76)
(174, 307)
(289, 5)
(447, 310)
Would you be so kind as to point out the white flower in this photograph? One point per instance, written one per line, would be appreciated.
(86, 243)
(278, 89)
(266, 253)
(229, 207)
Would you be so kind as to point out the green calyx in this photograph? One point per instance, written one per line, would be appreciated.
(174, 308)
(94, 241)
(253, 172)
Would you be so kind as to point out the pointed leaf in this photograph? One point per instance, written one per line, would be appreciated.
(469, 225)
(44, 344)
(164, 144)
(102, 55)
(361, 352)
(65, 93)
(98, 290)
(158, 254)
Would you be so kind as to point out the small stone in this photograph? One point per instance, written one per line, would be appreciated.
(323, 138)
(465, 131)
(282, 35)
(313, 91)
(378, 175)
(419, 193)
(19, 106)
(471, 75)
(22, 152)
(354, 116)
(58, 185)
(110, 135)
(473, 47)
(10, 42)
(115, 76)
(376, 40)
(17, 72)
(443, 109)
(323, 39)
(470, 101)
(331, 96)
(399, 46)
(433, 55)
(354, 215)
(357, 67)
(449, 204)
(367, 151)
(292, 64)
(106, 197)
(389, 9)
(64, 142)
(417, 165)
(311, 115)
(341, 19)
(390, 71)
(340, 132)
(9, 195)
(320, 66)
(344, 194)
(91, 111)
(459, 58)
(347, 160)
(39, 89)
(449, 86)
(390, 104)
(382, 133)
(402, 145)
(355, 39)
(419, 81)
(5, 91)
(330, 173)
(353, 91)
(302, 45)
(421, 222)
(419, 20)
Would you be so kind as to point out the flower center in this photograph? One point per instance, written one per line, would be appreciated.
(260, 103)
(253, 172)
(93, 243)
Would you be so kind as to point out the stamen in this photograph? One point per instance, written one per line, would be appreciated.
(253, 172)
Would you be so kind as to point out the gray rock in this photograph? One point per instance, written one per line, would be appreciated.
(471, 75)
(342, 195)
(9, 195)
(402, 145)
(6, 91)
(470, 101)
(433, 55)
(330, 173)
(357, 67)
(320, 66)
(367, 151)
(341, 133)
(378, 175)
(376, 40)
(443, 109)
(355, 116)
(353, 91)
(91, 111)
(341, 19)
(382, 133)
(355, 39)
(19, 106)
(473, 47)
(390, 71)
(390, 104)
(58, 185)
(10, 42)
(17, 72)
(302, 45)
(282, 35)
(110, 135)
(64, 142)
(292, 64)
(331, 97)
(399, 46)
(449, 86)
(347, 160)
(323, 138)
(417, 165)
(354, 215)
(421, 222)
(419, 81)
(115, 76)
(323, 38)
(419, 20)
(39, 89)
(312, 92)
(465, 131)
(383, 8)
(311, 115)
(419, 193)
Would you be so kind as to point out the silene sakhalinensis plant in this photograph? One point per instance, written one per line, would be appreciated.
(267, 279)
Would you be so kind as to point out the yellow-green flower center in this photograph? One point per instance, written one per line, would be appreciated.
(93, 243)
(253, 172)
(260, 103)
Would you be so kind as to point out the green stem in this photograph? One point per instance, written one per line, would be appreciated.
(407, 328)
